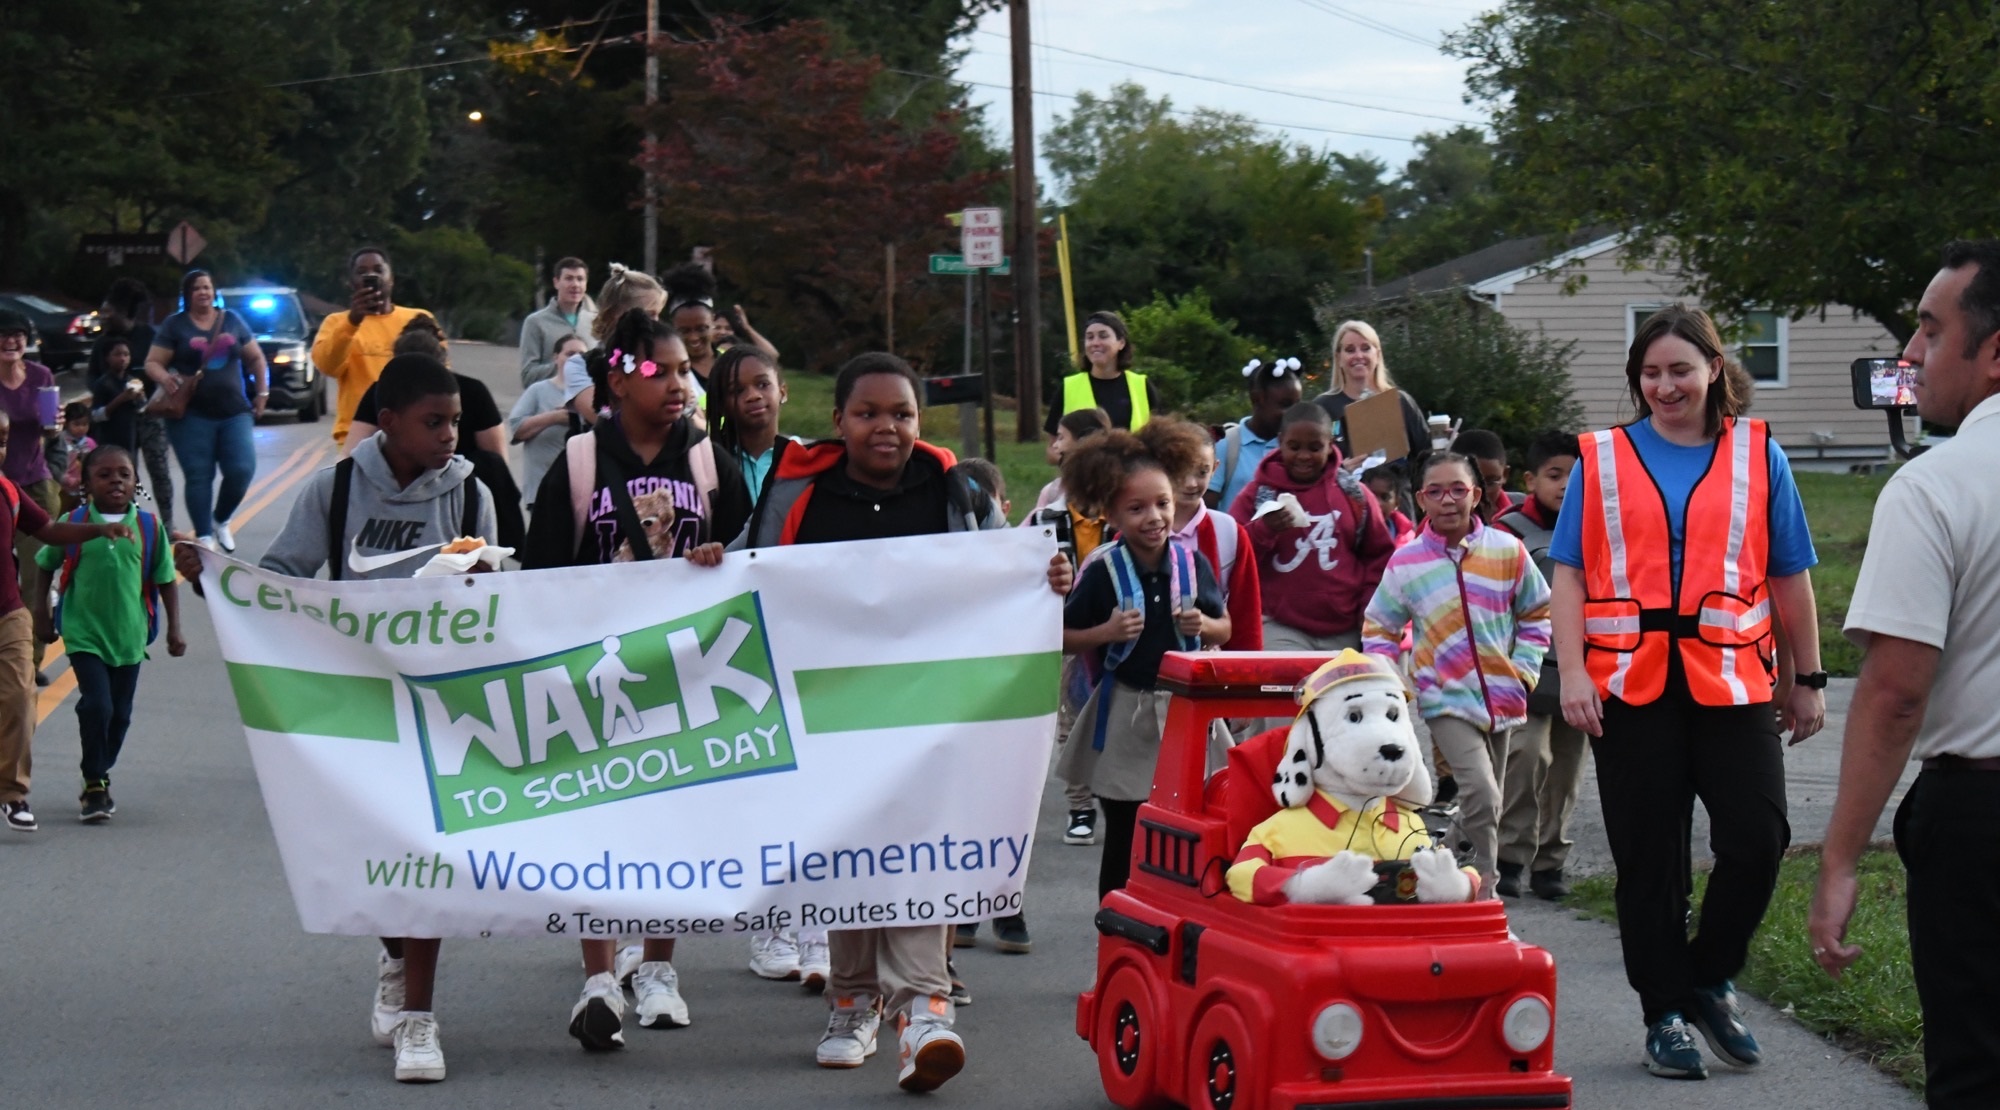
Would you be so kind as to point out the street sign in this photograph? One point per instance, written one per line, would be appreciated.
(184, 243)
(956, 266)
(118, 250)
(979, 239)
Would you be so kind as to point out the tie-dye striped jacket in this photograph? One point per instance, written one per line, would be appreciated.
(1482, 624)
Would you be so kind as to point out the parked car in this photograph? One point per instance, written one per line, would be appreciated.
(63, 333)
(285, 332)
(1206, 1001)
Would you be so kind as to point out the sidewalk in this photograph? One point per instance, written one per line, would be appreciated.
(1598, 1034)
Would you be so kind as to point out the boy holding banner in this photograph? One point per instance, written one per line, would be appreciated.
(404, 485)
(877, 481)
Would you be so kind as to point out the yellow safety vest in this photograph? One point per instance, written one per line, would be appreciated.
(1078, 396)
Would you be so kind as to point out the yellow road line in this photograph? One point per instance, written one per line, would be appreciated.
(274, 487)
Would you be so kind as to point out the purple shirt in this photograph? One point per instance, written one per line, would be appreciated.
(26, 464)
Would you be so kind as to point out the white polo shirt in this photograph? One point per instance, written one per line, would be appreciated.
(1932, 575)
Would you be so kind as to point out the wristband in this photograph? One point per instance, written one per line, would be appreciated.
(1813, 681)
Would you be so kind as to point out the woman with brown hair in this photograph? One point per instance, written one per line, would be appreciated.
(1681, 542)
(1107, 381)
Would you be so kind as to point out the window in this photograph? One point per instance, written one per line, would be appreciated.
(1635, 314)
(1763, 347)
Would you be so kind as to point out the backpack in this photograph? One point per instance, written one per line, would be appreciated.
(336, 520)
(149, 555)
(581, 453)
(1232, 439)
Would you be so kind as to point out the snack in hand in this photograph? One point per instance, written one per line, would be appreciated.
(463, 545)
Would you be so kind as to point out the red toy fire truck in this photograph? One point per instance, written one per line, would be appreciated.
(1205, 1001)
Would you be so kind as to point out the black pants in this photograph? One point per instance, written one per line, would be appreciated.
(103, 711)
(1948, 843)
(1120, 819)
(1653, 761)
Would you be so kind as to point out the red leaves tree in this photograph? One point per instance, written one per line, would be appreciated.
(786, 155)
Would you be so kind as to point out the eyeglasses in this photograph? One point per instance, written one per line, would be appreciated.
(1457, 491)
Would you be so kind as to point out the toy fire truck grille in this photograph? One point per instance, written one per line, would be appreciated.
(1171, 853)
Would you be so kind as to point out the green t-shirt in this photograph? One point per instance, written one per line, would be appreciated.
(104, 609)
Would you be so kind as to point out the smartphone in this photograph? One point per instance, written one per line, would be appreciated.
(1884, 383)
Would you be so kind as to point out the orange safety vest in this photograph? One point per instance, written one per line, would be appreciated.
(1719, 614)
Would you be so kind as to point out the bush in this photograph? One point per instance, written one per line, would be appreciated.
(452, 273)
(1196, 358)
(1466, 360)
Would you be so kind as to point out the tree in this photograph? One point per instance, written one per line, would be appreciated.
(1443, 206)
(1784, 155)
(1196, 357)
(1464, 359)
(1160, 202)
(769, 153)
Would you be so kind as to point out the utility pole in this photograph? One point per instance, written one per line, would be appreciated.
(650, 261)
(1027, 263)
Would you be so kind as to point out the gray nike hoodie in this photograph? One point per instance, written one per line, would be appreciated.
(381, 518)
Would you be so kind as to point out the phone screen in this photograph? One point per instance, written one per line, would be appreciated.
(1884, 383)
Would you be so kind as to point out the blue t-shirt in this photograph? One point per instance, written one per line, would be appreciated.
(1248, 457)
(221, 393)
(1676, 469)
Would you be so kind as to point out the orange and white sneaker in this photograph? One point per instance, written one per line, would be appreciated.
(929, 1052)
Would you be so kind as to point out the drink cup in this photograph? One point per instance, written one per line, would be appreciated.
(48, 403)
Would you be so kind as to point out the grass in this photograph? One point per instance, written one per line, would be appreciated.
(1873, 1009)
(809, 413)
(1839, 508)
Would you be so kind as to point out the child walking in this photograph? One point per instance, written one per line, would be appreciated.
(1141, 597)
(877, 480)
(1198, 527)
(112, 594)
(541, 423)
(644, 484)
(1545, 759)
(1481, 611)
(405, 484)
(744, 401)
(22, 516)
(1319, 563)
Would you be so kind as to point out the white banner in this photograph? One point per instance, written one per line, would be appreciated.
(828, 735)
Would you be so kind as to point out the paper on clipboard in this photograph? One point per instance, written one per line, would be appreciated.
(1375, 423)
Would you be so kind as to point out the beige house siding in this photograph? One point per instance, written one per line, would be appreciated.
(1812, 414)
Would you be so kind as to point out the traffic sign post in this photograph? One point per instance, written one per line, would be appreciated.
(955, 265)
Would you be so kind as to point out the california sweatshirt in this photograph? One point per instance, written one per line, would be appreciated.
(1316, 579)
(382, 517)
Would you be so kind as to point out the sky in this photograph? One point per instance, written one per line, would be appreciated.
(1380, 57)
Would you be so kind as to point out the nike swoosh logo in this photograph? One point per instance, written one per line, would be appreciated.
(365, 564)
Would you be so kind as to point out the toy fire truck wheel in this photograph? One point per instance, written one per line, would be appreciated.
(1218, 1061)
(1128, 1042)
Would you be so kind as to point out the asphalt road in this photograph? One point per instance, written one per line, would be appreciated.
(157, 960)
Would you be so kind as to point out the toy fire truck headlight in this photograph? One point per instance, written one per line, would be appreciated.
(1526, 1024)
(1337, 1031)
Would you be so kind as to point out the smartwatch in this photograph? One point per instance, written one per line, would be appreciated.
(1813, 681)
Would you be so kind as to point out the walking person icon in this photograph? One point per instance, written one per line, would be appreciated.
(607, 678)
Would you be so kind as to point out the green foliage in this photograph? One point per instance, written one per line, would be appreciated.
(452, 273)
(1839, 507)
(1456, 357)
(1444, 205)
(1787, 155)
(1164, 202)
(1196, 356)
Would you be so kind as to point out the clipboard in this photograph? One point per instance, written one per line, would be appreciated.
(1375, 423)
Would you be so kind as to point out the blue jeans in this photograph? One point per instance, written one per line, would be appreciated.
(103, 711)
(202, 444)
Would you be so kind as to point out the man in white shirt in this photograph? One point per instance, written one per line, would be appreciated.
(1927, 613)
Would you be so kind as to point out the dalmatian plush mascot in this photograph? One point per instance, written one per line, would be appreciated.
(1349, 783)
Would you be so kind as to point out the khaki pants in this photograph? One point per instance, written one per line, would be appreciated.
(48, 494)
(17, 704)
(1283, 637)
(899, 965)
(1478, 762)
(1544, 775)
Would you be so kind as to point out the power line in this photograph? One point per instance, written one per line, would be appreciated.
(1370, 23)
(1172, 111)
(1246, 85)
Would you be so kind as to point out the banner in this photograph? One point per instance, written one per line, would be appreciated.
(830, 735)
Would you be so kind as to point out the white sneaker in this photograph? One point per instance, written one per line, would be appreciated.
(225, 537)
(419, 1055)
(850, 1034)
(628, 961)
(657, 988)
(388, 1000)
(927, 1049)
(208, 542)
(815, 964)
(596, 1018)
(774, 955)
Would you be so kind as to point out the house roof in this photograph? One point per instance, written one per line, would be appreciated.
(1501, 264)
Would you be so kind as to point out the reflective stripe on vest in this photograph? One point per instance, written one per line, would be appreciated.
(1719, 619)
(1078, 396)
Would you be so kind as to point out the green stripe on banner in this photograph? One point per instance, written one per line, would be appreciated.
(942, 692)
(279, 699)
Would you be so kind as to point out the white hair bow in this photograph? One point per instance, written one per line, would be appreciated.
(1278, 368)
(1250, 367)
